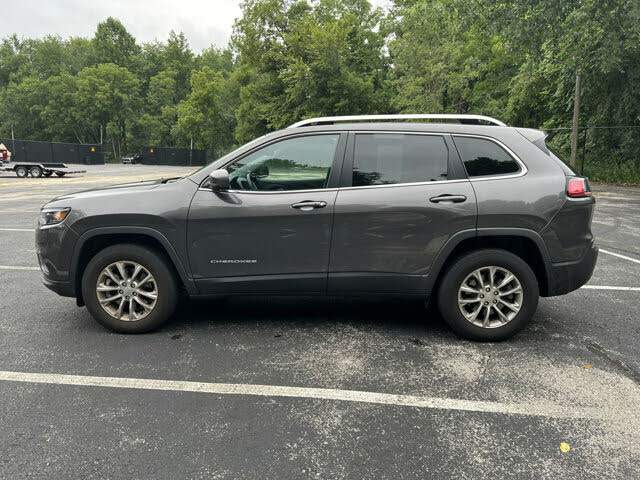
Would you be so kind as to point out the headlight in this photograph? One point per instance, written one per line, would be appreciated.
(53, 216)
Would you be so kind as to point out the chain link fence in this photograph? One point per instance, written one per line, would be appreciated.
(605, 154)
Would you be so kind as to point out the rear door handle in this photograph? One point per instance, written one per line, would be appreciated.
(448, 199)
(308, 205)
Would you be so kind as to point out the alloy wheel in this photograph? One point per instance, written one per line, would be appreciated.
(490, 297)
(127, 291)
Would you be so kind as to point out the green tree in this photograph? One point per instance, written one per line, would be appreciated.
(447, 60)
(177, 56)
(21, 108)
(301, 59)
(602, 39)
(201, 117)
(107, 98)
(112, 43)
(154, 126)
(218, 59)
(58, 114)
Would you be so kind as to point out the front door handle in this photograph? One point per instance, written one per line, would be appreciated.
(308, 205)
(448, 199)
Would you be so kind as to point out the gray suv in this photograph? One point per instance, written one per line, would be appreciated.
(480, 217)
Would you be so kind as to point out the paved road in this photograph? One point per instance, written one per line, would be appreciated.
(312, 388)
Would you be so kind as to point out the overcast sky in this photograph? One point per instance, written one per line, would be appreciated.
(203, 21)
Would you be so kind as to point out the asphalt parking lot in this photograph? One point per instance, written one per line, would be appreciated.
(316, 388)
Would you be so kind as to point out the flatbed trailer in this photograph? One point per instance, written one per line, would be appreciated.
(37, 170)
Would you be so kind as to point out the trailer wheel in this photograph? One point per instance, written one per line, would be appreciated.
(60, 174)
(47, 173)
(36, 172)
(22, 172)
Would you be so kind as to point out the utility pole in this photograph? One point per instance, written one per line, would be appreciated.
(576, 114)
(576, 105)
(576, 110)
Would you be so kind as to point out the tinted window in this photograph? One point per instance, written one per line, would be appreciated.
(299, 163)
(483, 157)
(388, 158)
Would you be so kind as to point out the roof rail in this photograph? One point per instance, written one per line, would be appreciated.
(411, 116)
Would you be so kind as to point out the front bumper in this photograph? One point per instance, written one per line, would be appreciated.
(569, 276)
(54, 247)
(65, 289)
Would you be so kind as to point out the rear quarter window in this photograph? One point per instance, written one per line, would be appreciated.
(482, 157)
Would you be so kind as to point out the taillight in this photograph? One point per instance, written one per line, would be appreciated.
(578, 188)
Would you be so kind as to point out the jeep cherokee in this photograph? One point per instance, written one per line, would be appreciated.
(480, 217)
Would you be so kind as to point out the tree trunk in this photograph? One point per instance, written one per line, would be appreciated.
(123, 129)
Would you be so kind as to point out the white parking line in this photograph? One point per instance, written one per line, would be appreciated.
(611, 287)
(12, 267)
(635, 260)
(17, 230)
(531, 409)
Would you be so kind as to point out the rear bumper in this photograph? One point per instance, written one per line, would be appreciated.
(569, 276)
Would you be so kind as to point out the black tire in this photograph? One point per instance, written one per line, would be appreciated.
(155, 263)
(36, 172)
(60, 174)
(48, 173)
(22, 172)
(464, 266)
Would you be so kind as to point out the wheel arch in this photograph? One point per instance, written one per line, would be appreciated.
(527, 244)
(95, 240)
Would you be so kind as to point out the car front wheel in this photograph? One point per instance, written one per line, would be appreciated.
(488, 295)
(129, 289)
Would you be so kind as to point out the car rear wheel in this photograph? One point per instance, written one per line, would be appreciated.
(129, 289)
(488, 295)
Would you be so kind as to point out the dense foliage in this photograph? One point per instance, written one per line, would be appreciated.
(290, 59)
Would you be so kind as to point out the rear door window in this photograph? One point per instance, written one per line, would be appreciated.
(482, 157)
(392, 158)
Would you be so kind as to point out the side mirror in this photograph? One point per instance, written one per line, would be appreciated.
(219, 180)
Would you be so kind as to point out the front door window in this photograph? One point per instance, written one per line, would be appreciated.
(299, 163)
